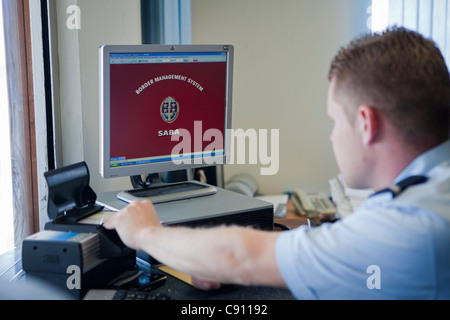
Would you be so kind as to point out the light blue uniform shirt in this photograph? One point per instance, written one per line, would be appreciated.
(389, 248)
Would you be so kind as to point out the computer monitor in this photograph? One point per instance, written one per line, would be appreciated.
(164, 108)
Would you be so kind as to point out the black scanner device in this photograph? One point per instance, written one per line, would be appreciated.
(71, 199)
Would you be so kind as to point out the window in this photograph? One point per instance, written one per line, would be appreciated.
(166, 21)
(431, 18)
(380, 15)
(20, 111)
(6, 215)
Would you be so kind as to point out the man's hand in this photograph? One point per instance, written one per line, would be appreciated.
(210, 255)
(131, 221)
(138, 216)
(205, 285)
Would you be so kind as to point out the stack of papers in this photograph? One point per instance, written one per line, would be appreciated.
(347, 199)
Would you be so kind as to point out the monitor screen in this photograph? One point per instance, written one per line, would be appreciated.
(164, 108)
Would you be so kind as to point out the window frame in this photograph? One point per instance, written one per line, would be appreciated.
(18, 54)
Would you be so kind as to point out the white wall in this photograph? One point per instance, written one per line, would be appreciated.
(282, 51)
(282, 54)
(102, 22)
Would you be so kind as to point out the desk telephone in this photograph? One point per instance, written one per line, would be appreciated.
(312, 205)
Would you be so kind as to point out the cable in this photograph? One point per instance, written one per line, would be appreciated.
(281, 226)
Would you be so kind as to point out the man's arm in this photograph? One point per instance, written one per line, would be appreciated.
(221, 254)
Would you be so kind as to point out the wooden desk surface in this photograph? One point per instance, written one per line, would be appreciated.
(292, 219)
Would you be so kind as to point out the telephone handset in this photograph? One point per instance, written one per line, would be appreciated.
(312, 205)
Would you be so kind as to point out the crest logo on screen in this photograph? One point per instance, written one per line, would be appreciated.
(170, 108)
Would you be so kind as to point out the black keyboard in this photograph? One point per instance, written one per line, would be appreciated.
(122, 294)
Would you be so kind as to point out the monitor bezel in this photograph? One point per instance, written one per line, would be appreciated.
(104, 87)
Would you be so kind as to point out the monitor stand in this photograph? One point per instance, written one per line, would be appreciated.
(166, 192)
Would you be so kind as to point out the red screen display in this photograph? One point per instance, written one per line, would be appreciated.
(150, 101)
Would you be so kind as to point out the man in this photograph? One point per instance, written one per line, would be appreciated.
(389, 101)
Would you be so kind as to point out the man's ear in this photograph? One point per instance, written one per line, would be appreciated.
(368, 124)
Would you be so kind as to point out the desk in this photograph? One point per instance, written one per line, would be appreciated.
(11, 268)
(292, 219)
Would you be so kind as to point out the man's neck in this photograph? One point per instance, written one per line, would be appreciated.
(392, 159)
